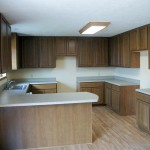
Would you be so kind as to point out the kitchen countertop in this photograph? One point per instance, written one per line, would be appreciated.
(120, 81)
(10, 98)
(144, 91)
(15, 98)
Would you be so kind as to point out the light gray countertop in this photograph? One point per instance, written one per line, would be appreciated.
(144, 91)
(10, 98)
(120, 81)
(15, 98)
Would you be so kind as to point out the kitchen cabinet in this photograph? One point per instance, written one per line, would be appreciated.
(92, 52)
(5, 49)
(108, 94)
(115, 98)
(65, 46)
(114, 51)
(38, 52)
(134, 40)
(43, 88)
(93, 87)
(30, 52)
(143, 111)
(121, 99)
(47, 55)
(143, 38)
(139, 39)
(100, 47)
(71, 46)
(120, 54)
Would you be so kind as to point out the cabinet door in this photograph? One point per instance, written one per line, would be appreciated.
(30, 52)
(85, 54)
(50, 91)
(37, 91)
(47, 53)
(114, 51)
(86, 89)
(100, 92)
(60, 46)
(71, 46)
(100, 47)
(5, 47)
(143, 45)
(125, 50)
(143, 115)
(134, 40)
(115, 100)
(108, 96)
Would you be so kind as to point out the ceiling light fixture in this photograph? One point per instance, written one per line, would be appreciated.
(93, 27)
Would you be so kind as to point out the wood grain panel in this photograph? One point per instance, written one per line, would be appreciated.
(45, 126)
(43, 86)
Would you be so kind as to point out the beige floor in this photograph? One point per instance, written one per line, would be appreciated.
(113, 132)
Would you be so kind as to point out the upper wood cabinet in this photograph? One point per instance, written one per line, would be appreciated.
(125, 55)
(71, 46)
(47, 57)
(85, 54)
(30, 52)
(60, 46)
(100, 47)
(38, 52)
(65, 46)
(5, 42)
(139, 39)
(92, 52)
(143, 37)
(114, 51)
(120, 54)
(134, 40)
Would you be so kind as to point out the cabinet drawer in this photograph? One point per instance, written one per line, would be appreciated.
(108, 85)
(43, 86)
(143, 97)
(91, 84)
(115, 87)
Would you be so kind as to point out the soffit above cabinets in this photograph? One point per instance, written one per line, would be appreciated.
(65, 17)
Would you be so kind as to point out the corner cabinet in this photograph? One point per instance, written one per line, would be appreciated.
(93, 87)
(121, 99)
(92, 52)
(143, 111)
(5, 46)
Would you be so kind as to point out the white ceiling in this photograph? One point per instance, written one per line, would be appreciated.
(67, 17)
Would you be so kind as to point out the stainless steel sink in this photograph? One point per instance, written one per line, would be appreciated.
(17, 87)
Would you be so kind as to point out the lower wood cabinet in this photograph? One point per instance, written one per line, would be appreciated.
(93, 87)
(143, 111)
(121, 99)
(43, 88)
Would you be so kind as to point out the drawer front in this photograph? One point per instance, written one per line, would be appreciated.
(143, 97)
(108, 85)
(91, 84)
(43, 86)
(115, 87)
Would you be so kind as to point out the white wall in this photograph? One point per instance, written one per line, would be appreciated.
(144, 71)
(65, 73)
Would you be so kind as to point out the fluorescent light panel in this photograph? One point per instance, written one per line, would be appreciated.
(93, 27)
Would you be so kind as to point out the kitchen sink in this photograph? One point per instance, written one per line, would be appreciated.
(17, 87)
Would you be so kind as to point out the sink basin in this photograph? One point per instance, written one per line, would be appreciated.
(17, 87)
